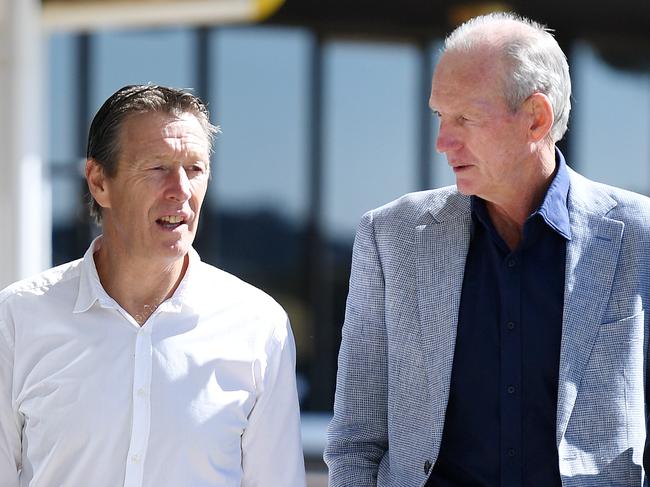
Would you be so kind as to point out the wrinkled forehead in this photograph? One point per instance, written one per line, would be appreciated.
(160, 121)
(470, 74)
(479, 63)
(159, 124)
(158, 135)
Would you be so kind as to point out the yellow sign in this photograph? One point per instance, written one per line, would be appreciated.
(97, 14)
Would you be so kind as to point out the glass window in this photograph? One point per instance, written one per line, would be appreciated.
(260, 101)
(64, 148)
(62, 88)
(610, 121)
(370, 143)
(160, 56)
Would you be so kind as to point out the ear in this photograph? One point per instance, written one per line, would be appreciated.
(541, 116)
(97, 179)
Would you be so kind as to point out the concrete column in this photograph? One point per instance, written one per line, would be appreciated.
(25, 233)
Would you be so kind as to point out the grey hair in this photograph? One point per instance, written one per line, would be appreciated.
(104, 134)
(535, 60)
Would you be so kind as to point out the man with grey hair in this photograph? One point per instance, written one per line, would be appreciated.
(495, 331)
(140, 365)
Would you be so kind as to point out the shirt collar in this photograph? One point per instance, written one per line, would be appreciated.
(554, 208)
(91, 289)
(182, 297)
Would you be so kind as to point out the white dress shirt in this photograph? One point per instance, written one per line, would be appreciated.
(203, 394)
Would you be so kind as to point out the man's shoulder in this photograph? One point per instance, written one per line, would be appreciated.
(253, 312)
(625, 205)
(413, 207)
(230, 290)
(629, 201)
(43, 283)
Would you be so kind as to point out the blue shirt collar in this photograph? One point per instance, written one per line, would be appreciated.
(554, 209)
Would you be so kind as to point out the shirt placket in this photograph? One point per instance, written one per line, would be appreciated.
(510, 341)
(141, 406)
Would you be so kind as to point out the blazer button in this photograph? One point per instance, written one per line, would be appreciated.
(427, 467)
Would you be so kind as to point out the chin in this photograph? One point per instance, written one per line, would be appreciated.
(465, 189)
(177, 249)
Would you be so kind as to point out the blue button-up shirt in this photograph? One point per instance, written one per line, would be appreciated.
(500, 421)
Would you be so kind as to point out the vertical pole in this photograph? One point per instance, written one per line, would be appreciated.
(424, 143)
(86, 228)
(319, 282)
(203, 55)
(210, 236)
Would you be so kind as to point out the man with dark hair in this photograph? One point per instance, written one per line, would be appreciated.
(495, 332)
(140, 365)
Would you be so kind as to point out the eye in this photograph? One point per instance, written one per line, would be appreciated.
(196, 169)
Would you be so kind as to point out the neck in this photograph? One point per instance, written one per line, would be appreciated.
(509, 214)
(138, 285)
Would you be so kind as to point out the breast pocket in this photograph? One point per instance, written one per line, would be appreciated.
(626, 330)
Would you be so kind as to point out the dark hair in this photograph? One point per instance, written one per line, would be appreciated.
(104, 133)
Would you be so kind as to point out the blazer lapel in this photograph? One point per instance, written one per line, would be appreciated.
(591, 258)
(441, 250)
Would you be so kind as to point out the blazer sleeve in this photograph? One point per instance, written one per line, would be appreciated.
(357, 438)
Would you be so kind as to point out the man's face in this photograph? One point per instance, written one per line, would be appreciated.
(484, 142)
(151, 207)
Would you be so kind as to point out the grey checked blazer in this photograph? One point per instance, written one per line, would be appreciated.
(400, 328)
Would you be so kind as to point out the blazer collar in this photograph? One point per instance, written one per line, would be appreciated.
(449, 206)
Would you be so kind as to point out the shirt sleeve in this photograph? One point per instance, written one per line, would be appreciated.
(10, 426)
(271, 444)
(357, 437)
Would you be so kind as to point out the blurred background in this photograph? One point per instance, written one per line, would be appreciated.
(323, 108)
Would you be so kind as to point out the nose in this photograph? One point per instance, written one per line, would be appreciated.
(178, 185)
(447, 139)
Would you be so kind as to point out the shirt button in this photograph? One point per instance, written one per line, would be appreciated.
(135, 458)
(427, 467)
(511, 389)
(510, 325)
(142, 392)
(511, 452)
(512, 262)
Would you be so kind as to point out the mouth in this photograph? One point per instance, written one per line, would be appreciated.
(460, 168)
(171, 222)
